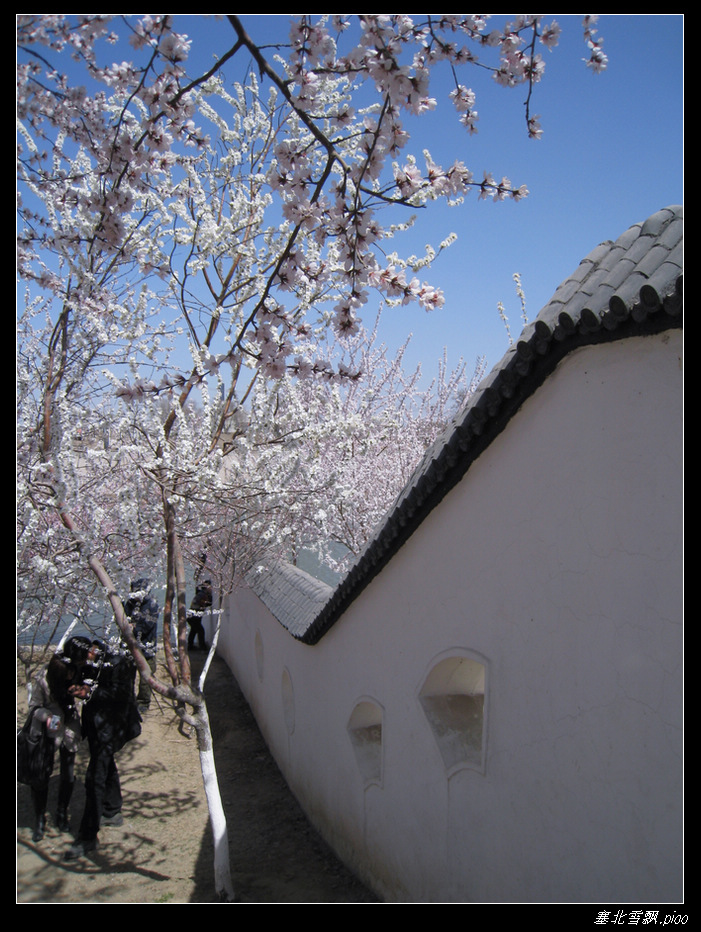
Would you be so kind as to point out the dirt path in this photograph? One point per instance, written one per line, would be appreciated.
(163, 852)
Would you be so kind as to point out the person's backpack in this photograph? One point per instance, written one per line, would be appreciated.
(35, 754)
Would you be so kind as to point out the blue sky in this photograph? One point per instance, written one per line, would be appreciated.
(611, 155)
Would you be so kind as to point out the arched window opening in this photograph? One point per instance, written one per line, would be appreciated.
(365, 733)
(453, 700)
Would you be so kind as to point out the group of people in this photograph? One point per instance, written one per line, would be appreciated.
(103, 680)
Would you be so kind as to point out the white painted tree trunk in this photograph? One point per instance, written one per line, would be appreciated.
(222, 872)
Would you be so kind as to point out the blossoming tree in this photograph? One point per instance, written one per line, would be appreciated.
(342, 449)
(185, 242)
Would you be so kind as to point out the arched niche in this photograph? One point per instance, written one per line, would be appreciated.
(365, 733)
(453, 698)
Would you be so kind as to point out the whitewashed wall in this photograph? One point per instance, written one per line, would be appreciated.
(553, 568)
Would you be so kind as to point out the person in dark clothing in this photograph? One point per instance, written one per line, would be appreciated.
(199, 605)
(142, 611)
(54, 711)
(110, 719)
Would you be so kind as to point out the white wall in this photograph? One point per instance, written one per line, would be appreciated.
(556, 565)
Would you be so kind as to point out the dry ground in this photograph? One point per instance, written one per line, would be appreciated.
(163, 852)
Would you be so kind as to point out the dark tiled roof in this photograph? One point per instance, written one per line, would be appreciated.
(629, 287)
(294, 597)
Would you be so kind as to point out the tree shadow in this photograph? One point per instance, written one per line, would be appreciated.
(127, 856)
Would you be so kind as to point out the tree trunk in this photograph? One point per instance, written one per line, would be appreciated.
(199, 718)
(222, 872)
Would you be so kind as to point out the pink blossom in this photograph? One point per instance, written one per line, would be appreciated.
(550, 36)
(463, 98)
(408, 180)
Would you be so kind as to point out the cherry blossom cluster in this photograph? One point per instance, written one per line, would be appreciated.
(597, 60)
(395, 53)
(351, 446)
(107, 164)
(125, 134)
